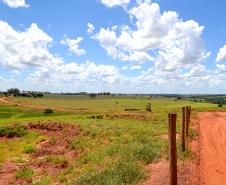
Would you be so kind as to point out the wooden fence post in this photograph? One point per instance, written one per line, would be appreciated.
(183, 129)
(187, 120)
(189, 114)
(172, 119)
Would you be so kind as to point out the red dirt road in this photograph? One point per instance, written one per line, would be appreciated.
(212, 143)
(209, 168)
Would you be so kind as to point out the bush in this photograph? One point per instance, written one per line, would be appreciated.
(12, 131)
(220, 105)
(48, 112)
(29, 149)
(148, 107)
(24, 173)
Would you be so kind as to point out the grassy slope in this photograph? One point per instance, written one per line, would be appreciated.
(114, 151)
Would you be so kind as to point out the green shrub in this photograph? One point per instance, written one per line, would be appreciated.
(24, 173)
(29, 149)
(148, 107)
(48, 112)
(12, 131)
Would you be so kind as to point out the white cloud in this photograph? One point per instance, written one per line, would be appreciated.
(24, 49)
(73, 45)
(112, 3)
(163, 38)
(221, 55)
(29, 50)
(76, 74)
(15, 3)
(7, 83)
(124, 67)
(175, 47)
(133, 67)
(91, 28)
(221, 67)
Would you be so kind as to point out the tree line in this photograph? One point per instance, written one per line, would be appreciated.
(17, 92)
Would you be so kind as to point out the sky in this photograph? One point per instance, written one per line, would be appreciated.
(118, 46)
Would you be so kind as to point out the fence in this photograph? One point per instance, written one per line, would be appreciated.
(172, 121)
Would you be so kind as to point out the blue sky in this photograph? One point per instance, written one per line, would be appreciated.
(132, 46)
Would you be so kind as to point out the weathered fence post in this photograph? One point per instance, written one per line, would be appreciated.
(187, 120)
(189, 114)
(183, 129)
(172, 119)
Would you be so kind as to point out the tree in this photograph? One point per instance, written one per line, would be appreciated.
(13, 91)
(92, 95)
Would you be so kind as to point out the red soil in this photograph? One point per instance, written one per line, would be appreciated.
(62, 134)
(212, 126)
(209, 166)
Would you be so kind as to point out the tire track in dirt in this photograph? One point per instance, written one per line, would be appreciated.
(212, 140)
(5, 101)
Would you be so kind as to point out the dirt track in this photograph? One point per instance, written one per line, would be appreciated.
(4, 100)
(212, 142)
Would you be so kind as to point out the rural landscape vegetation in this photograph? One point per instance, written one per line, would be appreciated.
(150, 111)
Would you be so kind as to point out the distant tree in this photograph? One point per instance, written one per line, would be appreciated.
(13, 91)
(39, 95)
(92, 95)
(36, 94)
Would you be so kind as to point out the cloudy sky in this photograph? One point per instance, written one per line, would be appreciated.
(128, 46)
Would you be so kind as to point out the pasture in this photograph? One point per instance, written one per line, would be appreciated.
(101, 141)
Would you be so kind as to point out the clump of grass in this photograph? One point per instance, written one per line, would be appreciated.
(12, 131)
(19, 160)
(42, 181)
(146, 153)
(58, 160)
(123, 172)
(29, 149)
(192, 133)
(78, 144)
(24, 173)
(187, 154)
(63, 178)
(52, 140)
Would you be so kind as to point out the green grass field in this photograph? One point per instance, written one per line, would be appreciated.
(111, 151)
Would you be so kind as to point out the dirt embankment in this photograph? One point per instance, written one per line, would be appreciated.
(51, 156)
